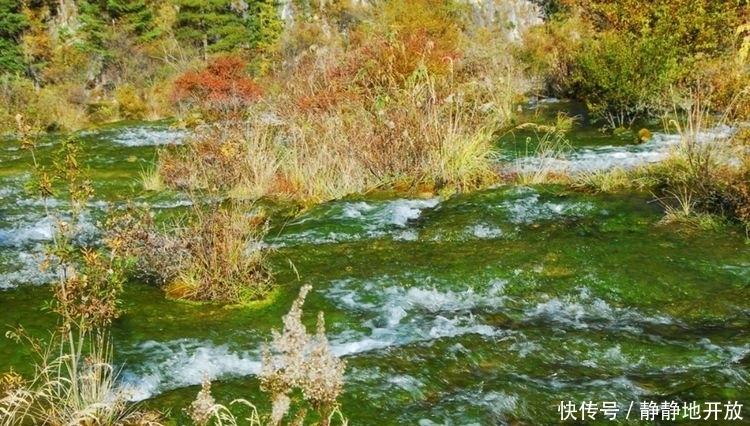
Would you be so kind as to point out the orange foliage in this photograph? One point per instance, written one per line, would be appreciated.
(410, 40)
(222, 88)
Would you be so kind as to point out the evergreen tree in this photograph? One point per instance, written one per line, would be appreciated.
(218, 23)
(134, 16)
(12, 25)
(103, 19)
(264, 24)
(94, 20)
(225, 25)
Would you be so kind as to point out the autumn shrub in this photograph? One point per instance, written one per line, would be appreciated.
(738, 197)
(220, 90)
(423, 34)
(14, 93)
(548, 52)
(392, 95)
(321, 161)
(63, 109)
(227, 260)
(157, 255)
(227, 156)
(46, 108)
(415, 99)
(622, 78)
(318, 25)
(215, 252)
(418, 130)
(130, 104)
(706, 173)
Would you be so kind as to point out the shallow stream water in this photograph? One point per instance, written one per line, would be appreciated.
(511, 305)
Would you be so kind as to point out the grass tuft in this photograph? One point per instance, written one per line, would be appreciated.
(151, 180)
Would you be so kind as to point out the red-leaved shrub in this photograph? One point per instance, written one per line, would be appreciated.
(221, 90)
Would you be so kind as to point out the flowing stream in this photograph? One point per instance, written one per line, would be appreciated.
(511, 305)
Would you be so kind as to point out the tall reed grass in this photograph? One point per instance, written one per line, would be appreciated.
(704, 173)
(538, 164)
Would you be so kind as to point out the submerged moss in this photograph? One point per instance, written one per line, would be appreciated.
(488, 307)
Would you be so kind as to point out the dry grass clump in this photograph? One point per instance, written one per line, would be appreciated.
(299, 372)
(151, 180)
(612, 180)
(226, 156)
(204, 409)
(539, 163)
(298, 362)
(157, 256)
(215, 255)
(707, 173)
(69, 386)
(227, 262)
(412, 102)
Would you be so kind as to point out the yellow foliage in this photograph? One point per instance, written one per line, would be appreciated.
(744, 32)
(131, 106)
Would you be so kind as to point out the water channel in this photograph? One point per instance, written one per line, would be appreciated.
(493, 307)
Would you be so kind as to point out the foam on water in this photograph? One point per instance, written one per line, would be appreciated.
(400, 212)
(355, 221)
(399, 315)
(312, 236)
(382, 295)
(398, 312)
(164, 205)
(22, 251)
(615, 388)
(589, 159)
(525, 347)
(12, 157)
(181, 363)
(720, 355)
(9, 189)
(41, 230)
(484, 231)
(148, 136)
(395, 332)
(185, 362)
(356, 210)
(525, 208)
(25, 268)
(408, 383)
(495, 406)
(582, 311)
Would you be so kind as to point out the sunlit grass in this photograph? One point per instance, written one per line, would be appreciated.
(151, 180)
(611, 180)
(544, 153)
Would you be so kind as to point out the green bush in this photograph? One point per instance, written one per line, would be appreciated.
(621, 77)
(621, 58)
